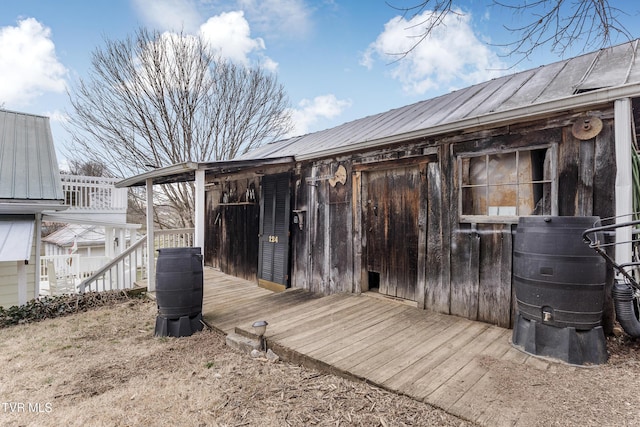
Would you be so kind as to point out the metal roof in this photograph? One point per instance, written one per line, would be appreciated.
(572, 83)
(28, 164)
(186, 171)
(84, 235)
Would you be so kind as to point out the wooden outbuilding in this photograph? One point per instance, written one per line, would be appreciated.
(421, 203)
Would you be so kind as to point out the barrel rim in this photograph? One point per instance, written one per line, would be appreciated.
(180, 249)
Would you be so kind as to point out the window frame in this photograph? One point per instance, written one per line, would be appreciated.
(506, 219)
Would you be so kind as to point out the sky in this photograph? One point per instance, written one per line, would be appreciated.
(333, 57)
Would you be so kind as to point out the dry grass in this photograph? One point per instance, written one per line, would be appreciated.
(104, 367)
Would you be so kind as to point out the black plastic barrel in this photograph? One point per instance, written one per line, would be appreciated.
(558, 279)
(179, 282)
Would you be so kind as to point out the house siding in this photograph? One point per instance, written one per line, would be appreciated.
(9, 280)
(233, 219)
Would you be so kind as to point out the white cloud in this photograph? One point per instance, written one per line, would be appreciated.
(311, 111)
(28, 63)
(277, 17)
(450, 56)
(169, 15)
(269, 64)
(229, 33)
(57, 116)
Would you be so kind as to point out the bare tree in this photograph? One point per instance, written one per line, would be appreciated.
(87, 168)
(158, 99)
(560, 24)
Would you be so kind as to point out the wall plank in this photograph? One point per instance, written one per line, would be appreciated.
(465, 277)
(494, 294)
(604, 202)
(437, 293)
(568, 173)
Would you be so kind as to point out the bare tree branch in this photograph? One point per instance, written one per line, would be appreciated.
(161, 99)
(439, 9)
(560, 24)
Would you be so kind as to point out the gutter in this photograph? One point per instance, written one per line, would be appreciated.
(595, 97)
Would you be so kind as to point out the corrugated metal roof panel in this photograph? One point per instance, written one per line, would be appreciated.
(530, 91)
(603, 74)
(572, 74)
(28, 163)
(606, 68)
(504, 91)
(445, 104)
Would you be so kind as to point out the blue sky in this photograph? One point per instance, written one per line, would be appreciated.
(330, 55)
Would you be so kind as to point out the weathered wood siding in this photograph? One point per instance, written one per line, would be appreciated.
(322, 250)
(481, 254)
(233, 220)
(417, 238)
(392, 211)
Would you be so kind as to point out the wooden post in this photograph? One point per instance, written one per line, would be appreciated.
(151, 265)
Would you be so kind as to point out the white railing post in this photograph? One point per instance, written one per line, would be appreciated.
(151, 267)
(199, 220)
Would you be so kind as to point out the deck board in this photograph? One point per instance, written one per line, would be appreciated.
(447, 361)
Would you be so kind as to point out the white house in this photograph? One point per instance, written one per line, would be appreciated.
(29, 185)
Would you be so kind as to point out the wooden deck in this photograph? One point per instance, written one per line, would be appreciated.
(446, 361)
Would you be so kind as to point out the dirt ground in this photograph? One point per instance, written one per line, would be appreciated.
(104, 367)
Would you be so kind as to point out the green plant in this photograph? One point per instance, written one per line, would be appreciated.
(61, 305)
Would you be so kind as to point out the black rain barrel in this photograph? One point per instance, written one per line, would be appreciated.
(179, 283)
(558, 279)
(559, 285)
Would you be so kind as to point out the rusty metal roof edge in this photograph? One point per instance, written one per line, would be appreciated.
(496, 118)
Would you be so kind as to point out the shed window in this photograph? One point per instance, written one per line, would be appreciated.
(507, 184)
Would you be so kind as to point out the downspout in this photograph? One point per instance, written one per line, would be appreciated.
(624, 180)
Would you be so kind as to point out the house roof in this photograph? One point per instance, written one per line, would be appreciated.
(186, 171)
(590, 79)
(83, 234)
(578, 83)
(29, 174)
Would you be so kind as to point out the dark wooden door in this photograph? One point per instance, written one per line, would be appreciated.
(273, 261)
(392, 207)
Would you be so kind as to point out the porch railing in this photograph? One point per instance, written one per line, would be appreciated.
(68, 269)
(122, 272)
(131, 265)
(90, 193)
(175, 238)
